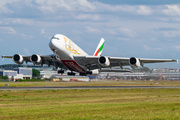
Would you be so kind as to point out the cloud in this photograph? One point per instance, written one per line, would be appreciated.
(144, 10)
(7, 30)
(4, 9)
(47, 6)
(172, 10)
(171, 34)
(177, 47)
(88, 17)
(153, 39)
(76, 32)
(113, 8)
(20, 21)
(146, 47)
(140, 2)
(69, 5)
(150, 48)
(127, 32)
(92, 30)
(166, 29)
(26, 36)
(43, 31)
(123, 39)
(26, 51)
(112, 32)
(4, 2)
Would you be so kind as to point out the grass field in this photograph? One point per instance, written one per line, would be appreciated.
(94, 104)
(94, 83)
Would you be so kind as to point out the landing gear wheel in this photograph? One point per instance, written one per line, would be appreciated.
(89, 72)
(71, 73)
(60, 71)
(82, 74)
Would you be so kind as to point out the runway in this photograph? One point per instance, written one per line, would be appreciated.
(84, 87)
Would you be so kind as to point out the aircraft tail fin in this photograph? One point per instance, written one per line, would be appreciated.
(99, 48)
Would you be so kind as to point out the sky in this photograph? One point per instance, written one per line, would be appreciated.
(131, 28)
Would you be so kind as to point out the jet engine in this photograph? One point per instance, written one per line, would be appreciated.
(93, 72)
(134, 62)
(36, 59)
(18, 59)
(104, 61)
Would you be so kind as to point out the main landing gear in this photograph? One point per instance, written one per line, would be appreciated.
(71, 73)
(82, 74)
(60, 71)
(86, 73)
(89, 72)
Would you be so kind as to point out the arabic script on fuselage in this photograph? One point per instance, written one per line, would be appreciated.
(69, 45)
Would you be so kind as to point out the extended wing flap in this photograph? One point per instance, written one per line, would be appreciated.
(86, 60)
(114, 70)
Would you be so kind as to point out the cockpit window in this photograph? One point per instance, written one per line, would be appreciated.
(55, 38)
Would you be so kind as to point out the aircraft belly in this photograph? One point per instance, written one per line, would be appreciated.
(72, 65)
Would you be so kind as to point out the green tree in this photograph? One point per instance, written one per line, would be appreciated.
(35, 72)
(145, 69)
(5, 77)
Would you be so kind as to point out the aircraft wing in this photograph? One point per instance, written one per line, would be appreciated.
(145, 60)
(45, 59)
(115, 61)
(114, 70)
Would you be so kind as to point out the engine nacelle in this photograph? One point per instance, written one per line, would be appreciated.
(104, 61)
(134, 62)
(18, 59)
(36, 59)
(95, 72)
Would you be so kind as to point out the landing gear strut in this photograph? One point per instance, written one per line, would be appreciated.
(89, 72)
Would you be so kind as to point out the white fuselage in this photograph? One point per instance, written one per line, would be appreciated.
(66, 49)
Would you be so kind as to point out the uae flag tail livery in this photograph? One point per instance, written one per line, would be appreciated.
(99, 48)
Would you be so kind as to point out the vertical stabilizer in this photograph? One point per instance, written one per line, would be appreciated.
(99, 48)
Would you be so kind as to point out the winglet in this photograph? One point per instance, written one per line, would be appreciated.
(2, 57)
(177, 61)
(99, 48)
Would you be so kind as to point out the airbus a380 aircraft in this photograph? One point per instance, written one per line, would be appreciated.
(68, 54)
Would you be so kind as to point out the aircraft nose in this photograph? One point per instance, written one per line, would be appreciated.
(52, 44)
(55, 43)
